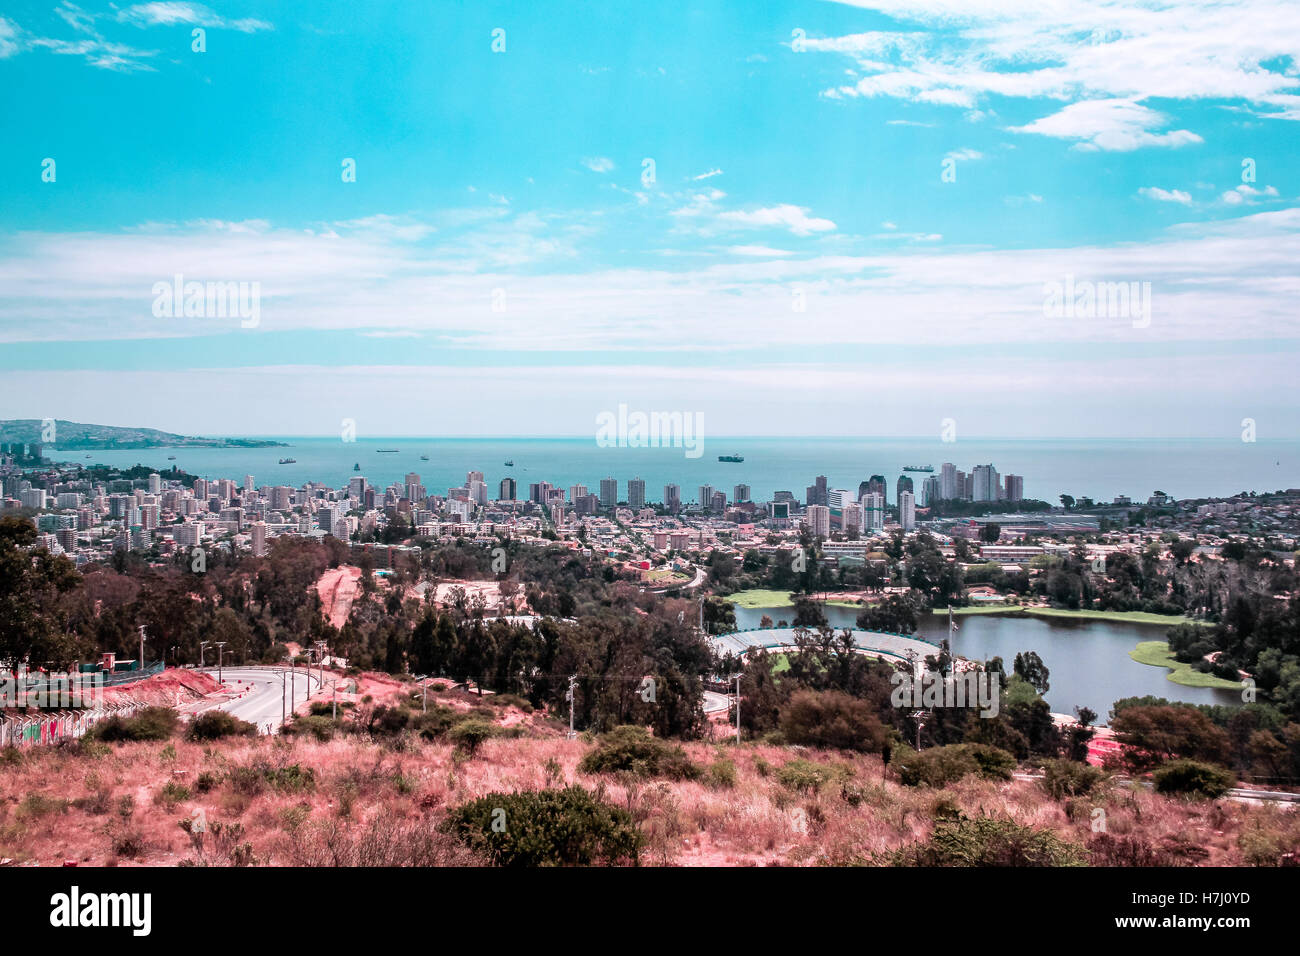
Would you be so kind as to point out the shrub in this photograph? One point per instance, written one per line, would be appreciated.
(152, 723)
(252, 779)
(832, 719)
(806, 776)
(721, 774)
(217, 724)
(568, 827)
(469, 735)
(1069, 778)
(318, 727)
(940, 766)
(1193, 778)
(633, 750)
(37, 805)
(172, 793)
(987, 841)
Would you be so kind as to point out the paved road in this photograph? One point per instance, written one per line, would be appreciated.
(715, 703)
(267, 696)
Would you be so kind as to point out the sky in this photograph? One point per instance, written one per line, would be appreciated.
(830, 218)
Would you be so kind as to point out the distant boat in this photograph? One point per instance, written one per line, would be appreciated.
(87, 456)
(732, 458)
(357, 466)
(288, 461)
(386, 451)
(424, 458)
(169, 457)
(510, 464)
(918, 468)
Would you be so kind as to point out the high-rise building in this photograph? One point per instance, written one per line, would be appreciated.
(947, 481)
(718, 503)
(576, 492)
(608, 493)
(985, 479)
(873, 510)
(673, 497)
(248, 483)
(818, 521)
(636, 494)
(1015, 488)
(155, 484)
(259, 538)
(852, 518)
(706, 497)
(907, 510)
(931, 490)
(903, 484)
(815, 494)
(740, 493)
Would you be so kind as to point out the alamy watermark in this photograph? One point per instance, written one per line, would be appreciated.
(638, 429)
(980, 690)
(208, 300)
(1085, 299)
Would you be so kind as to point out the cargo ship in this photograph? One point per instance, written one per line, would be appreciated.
(918, 468)
(732, 458)
(288, 461)
(386, 451)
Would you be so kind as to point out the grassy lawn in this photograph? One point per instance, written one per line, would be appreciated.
(1156, 653)
(757, 597)
(1130, 617)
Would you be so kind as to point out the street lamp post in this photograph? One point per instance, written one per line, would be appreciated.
(220, 672)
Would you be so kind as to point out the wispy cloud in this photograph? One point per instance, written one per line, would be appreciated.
(598, 164)
(1166, 195)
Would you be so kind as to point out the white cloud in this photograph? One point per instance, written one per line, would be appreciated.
(168, 13)
(598, 164)
(1120, 125)
(784, 216)
(965, 154)
(708, 175)
(1247, 195)
(963, 53)
(1166, 195)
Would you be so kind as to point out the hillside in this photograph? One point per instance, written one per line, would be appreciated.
(68, 435)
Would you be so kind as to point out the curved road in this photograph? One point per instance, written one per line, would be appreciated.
(267, 694)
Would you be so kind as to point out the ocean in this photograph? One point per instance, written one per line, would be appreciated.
(1100, 469)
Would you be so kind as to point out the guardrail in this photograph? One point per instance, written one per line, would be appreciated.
(855, 630)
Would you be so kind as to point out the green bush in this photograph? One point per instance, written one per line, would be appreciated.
(940, 766)
(152, 723)
(320, 727)
(469, 735)
(1193, 778)
(217, 724)
(1069, 778)
(806, 776)
(721, 774)
(567, 827)
(252, 779)
(834, 720)
(987, 841)
(632, 750)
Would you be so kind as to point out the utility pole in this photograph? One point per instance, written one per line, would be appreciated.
(320, 661)
(572, 703)
(220, 645)
(141, 647)
(202, 645)
(738, 676)
(919, 716)
(283, 715)
(293, 684)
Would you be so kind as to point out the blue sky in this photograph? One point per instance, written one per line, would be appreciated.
(799, 261)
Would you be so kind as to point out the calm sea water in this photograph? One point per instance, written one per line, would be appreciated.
(1098, 469)
(1088, 661)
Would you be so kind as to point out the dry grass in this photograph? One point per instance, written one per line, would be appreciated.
(349, 801)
